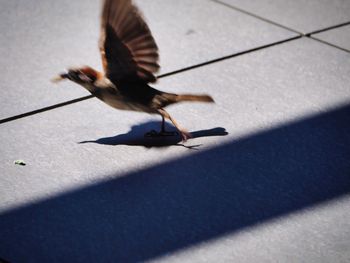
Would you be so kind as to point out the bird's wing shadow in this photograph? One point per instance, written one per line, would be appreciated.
(136, 136)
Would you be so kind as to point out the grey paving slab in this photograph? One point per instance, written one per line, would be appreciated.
(286, 109)
(339, 37)
(300, 15)
(192, 32)
(40, 38)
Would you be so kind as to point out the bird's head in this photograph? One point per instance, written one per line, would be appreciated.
(83, 76)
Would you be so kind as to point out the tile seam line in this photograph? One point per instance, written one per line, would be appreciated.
(329, 44)
(51, 107)
(280, 25)
(231, 56)
(66, 103)
(308, 35)
(256, 16)
(327, 28)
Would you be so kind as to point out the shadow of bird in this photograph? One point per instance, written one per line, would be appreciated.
(136, 137)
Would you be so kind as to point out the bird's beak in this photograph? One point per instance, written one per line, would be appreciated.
(60, 77)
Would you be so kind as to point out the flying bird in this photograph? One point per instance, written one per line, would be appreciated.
(130, 61)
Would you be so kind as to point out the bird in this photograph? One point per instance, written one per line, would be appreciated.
(130, 59)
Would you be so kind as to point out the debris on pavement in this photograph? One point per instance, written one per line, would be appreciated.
(19, 162)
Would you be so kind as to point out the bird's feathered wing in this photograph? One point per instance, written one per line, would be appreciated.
(126, 43)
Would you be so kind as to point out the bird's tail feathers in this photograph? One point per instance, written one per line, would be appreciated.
(192, 97)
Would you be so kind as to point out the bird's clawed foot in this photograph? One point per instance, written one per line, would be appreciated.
(185, 135)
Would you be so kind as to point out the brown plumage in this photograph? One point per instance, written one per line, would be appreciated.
(129, 60)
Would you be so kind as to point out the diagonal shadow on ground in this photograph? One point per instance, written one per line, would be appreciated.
(180, 203)
(136, 136)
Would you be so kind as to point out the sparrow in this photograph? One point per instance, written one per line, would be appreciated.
(130, 61)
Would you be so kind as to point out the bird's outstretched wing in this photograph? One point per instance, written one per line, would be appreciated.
(126, 43)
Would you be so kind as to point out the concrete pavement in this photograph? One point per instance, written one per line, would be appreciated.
(266, 177)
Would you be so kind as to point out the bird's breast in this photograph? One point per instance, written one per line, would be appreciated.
(114, 99)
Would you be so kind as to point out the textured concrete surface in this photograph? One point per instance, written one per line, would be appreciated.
(270, 188)
(265, 178)
(339, 37)
(39, 39)
(300, 15)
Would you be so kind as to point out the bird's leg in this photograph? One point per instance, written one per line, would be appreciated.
(184, 134)
(162, 132)
(163, 124)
